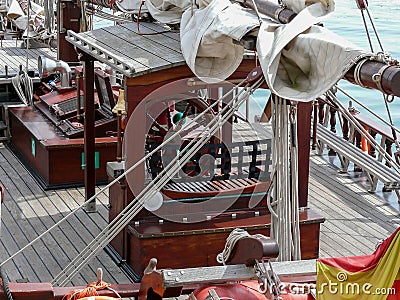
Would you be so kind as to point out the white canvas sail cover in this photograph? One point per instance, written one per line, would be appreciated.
(208, 38)
(300, 60)
(168, 11)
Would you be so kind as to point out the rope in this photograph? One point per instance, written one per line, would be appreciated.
(366, 134)
(236, 235)
(23, 80)
(150, 190)
(367, 109)
(284, 210)
(138, 23)
(357, 72)
(91, 289)
(257, 12)
(386, 100)
(363, 7)
(102, 190)
(135, 206)
(4, 280)
(367, 31)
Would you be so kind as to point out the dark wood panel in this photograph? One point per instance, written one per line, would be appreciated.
(197, 244)
(55, 161)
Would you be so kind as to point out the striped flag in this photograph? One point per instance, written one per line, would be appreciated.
(374, 276)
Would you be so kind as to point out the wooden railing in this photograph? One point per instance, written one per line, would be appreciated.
(328, 116)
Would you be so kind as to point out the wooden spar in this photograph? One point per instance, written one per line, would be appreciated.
(272, 10)
(390, 81)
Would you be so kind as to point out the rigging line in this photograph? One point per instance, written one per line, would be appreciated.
(111, 183)
(127, 208)
(27, 35)
(368, 109)
(137, 205)
(128, 218)
(367, 31)
(374, 28)
(205, 138)
(385, 99)
(369, 138)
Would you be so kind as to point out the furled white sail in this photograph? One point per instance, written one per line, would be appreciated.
(301, 60)
(209, 38)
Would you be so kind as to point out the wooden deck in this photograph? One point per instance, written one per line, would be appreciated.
(355, 221)
(28, 211)
(12, 55)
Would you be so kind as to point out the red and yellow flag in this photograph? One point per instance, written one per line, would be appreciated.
(374, 276)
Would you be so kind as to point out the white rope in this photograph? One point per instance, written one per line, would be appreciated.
(285, 209)
(296, 254)
(128, 213)
(149, 191)
(236, 235)
(49, 19)
(102, 190)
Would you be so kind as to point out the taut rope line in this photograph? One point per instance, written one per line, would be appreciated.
(56, 225)
(130, 211)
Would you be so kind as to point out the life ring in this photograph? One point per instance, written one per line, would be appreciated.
(239, 291)
(235, 291)
(99, 298)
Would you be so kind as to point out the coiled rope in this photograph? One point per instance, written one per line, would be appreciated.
(91, 289)
(236, 235)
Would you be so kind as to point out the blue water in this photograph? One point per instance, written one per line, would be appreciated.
(347, 22)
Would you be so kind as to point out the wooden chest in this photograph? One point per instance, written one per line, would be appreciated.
(180, 245)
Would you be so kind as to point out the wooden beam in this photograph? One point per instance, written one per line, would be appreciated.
(89, 134)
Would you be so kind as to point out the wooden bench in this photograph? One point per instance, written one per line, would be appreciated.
(375, 169)
(240, 167)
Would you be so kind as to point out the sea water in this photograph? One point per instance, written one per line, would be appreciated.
(347, 22)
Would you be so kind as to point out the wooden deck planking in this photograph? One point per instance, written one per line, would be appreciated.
(13, 56)
(356, 219)
(24, 217)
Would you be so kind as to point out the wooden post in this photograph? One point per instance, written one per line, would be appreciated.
(304, 110)
(68, 18)
(315, 122)
(89, 135)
